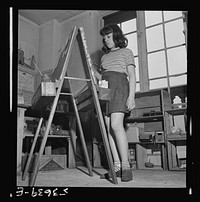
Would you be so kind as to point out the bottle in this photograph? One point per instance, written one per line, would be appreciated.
(177, 100)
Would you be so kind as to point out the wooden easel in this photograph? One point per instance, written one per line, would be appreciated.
(79, 35)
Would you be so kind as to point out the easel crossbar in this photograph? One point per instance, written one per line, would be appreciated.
(66, 94)
(75, 78)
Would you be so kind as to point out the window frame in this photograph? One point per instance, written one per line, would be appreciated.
(163, 23)
(122, 16)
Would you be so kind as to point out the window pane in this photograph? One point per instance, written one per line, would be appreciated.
(168, 15)
(174, 33)
(177, 60)
(129, 26)
(157, 64)
(155, 38)
(137, 69)
(158, 83)
(137, 89)
(179, 80)
(132, 43)
(152, 17)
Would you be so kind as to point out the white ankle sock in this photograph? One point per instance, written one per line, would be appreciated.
(117, 166)
(125, 165)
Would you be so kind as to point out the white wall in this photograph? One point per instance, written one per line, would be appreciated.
(91, 23)
(28, 38)
(49, 44)
(46, 40)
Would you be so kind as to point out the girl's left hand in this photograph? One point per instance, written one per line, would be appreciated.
(130, 103)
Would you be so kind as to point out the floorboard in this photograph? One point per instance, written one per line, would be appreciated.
(79, 177)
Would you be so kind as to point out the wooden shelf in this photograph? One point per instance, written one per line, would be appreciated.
(49, 136)
(144, 119)
(145, 143)
(35, 113)
(177, 111)
(176, 136)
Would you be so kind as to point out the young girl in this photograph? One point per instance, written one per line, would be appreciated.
(119, 70)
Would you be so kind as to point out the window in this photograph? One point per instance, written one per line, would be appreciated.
(153, 17)
(177, 60)
(166, 48)
(157, 64)
(166, 38)
(129, 29)
(155, 39)
(174, 33)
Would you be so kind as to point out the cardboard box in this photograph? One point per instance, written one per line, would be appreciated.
(147, 136)
(48, 89)
(47, 162)
(133, 131)
(44, 95)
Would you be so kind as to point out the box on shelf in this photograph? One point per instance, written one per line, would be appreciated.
(47, 162)
(133, 131)
(44, 95)
(147, 136)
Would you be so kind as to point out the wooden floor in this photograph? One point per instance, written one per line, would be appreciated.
(79, 177)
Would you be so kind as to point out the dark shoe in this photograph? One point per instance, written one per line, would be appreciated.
(108, 175)
(126, 175)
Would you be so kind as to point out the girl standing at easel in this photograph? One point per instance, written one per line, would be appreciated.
(119, 70)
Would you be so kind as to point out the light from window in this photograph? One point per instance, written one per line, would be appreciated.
(177, 60)
(137, 69)
(129, 26)
(132, 43)
(137, 89)
(179, 80)
(158, 83)
(152, 17)
(157, 64)
(155, 39)
(168, 15)
(174, 33)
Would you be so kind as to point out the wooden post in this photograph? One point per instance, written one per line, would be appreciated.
(142, 52)
(20, 135)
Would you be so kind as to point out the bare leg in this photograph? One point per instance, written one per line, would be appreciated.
(122, 144)
(120, 135)
(111, 140)
(117, 134)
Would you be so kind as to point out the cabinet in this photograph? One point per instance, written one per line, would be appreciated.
(176, 137)
(26, 85)
(151, 145)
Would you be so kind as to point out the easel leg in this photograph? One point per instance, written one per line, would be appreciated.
(104, 133)
(82, 138)
(32, 150)
(72, 151)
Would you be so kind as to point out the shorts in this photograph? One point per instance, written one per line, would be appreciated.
(119, 85)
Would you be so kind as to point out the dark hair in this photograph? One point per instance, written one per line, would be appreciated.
(119, 39)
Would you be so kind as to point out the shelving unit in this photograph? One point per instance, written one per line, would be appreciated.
(153, 103)
(175, 139)
(24, 137)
